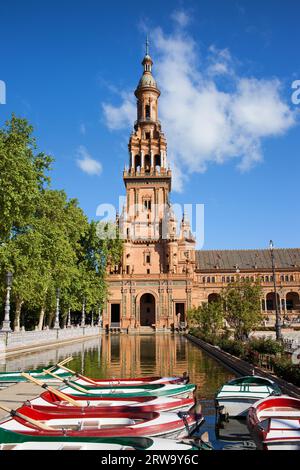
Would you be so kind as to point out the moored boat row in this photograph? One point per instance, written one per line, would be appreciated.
(86, 413)
(151, 413)
(273, 419)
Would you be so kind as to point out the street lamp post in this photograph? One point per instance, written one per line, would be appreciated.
(99, 317)
(6, 322)
(56, 323)
(277, 323)
(83, 313)
(69, 318)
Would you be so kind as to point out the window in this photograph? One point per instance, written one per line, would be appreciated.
(147, 111)
(282, 278)
(148, 135)
(223, 278)
(208, 279)
(286, 278)
(213, 279)
(147, 204)
(127, 269)
(291, 278)
(148, 271)
(148, 259)
(227, 279)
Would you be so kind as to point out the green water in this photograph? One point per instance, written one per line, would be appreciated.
(158, 355)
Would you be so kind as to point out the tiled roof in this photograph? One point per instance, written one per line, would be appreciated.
(285, 258)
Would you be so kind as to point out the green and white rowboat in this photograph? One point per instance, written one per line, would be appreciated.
(16, 376)
(15, 441)
(235, 397)
(158, 390)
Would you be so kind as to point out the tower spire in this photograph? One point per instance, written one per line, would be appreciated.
(147, 45)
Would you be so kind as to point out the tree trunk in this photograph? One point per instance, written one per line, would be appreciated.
(18, 310)
(41, 318)
(51, 317)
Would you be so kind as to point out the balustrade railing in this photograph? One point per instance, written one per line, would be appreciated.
(17, 339)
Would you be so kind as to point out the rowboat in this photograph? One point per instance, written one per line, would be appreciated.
(158, 390)
(48, 401)
(274, 423)
(16, 376)
(171, 425)
(136, 381)
(16, 441)
(82, 380)
(235, 397)
(119, 382)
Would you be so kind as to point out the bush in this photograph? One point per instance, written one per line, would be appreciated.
(284, 368)
(235, 347)
(266, 345)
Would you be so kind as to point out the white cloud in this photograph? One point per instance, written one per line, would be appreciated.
(210, 114)
(118, 117)
(82, 128)
(86, 163)
(181, 18)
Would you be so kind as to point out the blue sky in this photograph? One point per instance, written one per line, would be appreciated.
(225, 69)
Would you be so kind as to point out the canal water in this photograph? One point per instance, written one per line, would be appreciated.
(140, 355)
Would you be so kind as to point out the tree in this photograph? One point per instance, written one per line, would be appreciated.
(22, 175)
(45, 238)
(208, 317)
(242, 306)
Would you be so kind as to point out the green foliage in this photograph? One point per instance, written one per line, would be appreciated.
(242, 307)
(266, 345)
(208, 317)
(22, 175)
(47, 241)
(235, 347)
(284, 368)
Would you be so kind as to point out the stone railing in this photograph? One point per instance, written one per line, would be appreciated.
(52, 355)
(24, 339)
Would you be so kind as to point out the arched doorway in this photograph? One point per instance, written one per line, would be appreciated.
(214, 297)
(292, 301)
(147, 310)
(271, 304)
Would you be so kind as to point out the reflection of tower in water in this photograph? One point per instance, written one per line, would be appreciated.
(138, 355)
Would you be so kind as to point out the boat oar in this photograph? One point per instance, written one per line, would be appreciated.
(80, 376)
(57, 393)
(66, 381)
(36, 423)
(64, 361)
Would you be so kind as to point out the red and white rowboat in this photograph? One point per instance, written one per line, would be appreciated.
(49, 402)
(83, 380)
(274, 423)
(171, 425)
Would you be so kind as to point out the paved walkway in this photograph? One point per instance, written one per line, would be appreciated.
(14, 396)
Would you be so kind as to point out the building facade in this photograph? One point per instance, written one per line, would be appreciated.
(161, 274)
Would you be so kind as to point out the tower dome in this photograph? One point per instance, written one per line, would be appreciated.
(147, 80)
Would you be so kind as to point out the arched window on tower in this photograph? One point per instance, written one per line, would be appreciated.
(137, 162)
(157, 162)
(147, 111)
(147, 163)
